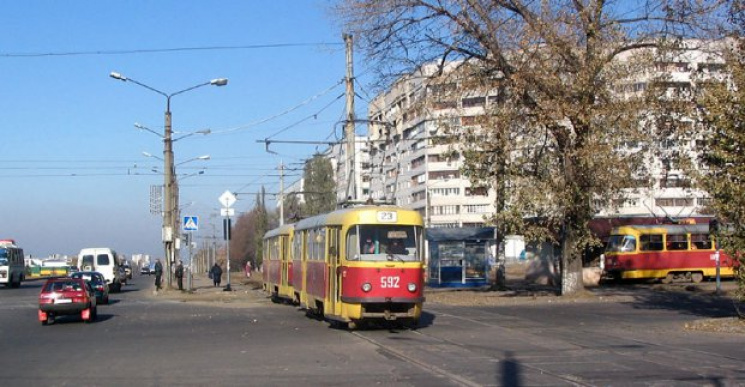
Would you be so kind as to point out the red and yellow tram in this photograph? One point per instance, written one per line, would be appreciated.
(350, 266)
(278, 263)
(665, 252)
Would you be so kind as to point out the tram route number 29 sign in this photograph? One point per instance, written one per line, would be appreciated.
(387, 216)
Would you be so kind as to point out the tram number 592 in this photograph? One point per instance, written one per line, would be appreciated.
(389, 282)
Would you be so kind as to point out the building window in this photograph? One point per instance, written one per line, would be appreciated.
(445, 191)
(476, 208)
(711, 67)
(421, 195)
(477, 191)
(445, 210)
(444, 175)
(417, 162)
(674, 202)
(443, 105)
(672, 66)
(473, 102)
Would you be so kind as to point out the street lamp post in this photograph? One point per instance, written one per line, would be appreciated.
(170, 226)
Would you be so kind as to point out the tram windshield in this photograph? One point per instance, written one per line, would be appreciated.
(621, 244)
(384, 242)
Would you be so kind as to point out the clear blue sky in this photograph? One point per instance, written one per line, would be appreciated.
(71, 164)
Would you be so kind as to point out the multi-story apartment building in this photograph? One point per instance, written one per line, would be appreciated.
(409, 169)
(671, 192)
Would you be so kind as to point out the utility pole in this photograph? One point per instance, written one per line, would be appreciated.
(349, 125)
(281, 194)
(169, 221)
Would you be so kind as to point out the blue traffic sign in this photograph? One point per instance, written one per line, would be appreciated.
(191, 223)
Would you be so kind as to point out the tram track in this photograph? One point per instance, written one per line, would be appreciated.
(660, 347)
(451, 376)
(432, 369)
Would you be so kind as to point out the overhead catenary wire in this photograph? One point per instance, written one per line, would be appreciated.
(314, 115)
(275, 116)
(164, 50)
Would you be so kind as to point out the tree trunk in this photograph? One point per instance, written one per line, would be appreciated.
(571, 266)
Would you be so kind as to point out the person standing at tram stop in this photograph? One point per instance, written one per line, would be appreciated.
(158, 273)
(216, 274)
(180, 275)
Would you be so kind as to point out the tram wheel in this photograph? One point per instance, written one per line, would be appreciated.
(697, 277)
(668, 278)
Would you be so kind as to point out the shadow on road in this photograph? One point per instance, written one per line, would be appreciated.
(689, 303)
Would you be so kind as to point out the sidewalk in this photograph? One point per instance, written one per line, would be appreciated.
(243, 290)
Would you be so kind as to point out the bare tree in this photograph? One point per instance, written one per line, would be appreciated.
(556, 71)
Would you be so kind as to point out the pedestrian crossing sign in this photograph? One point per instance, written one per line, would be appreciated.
(191, 223)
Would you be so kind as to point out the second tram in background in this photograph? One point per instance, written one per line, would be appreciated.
(350, 266)
(667, 252)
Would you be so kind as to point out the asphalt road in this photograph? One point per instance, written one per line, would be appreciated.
(153, 341)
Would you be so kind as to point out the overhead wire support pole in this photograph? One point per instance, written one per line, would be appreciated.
(281, 194)
(349, 124)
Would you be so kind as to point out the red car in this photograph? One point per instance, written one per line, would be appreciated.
(67, 296)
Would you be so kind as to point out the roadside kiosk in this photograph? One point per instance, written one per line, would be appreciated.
(460, 257)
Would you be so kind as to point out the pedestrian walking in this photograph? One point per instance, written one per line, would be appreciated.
(180, 275)
(158, 273)
(216, 274)
(248, 269)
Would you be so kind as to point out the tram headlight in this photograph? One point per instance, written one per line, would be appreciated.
(366, 287)
(411, 287)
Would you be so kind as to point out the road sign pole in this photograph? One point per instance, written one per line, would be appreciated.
(227, 247)
(227, 199)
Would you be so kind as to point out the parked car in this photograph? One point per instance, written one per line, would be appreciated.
(97, 282)
(63, 296)
(128, 270)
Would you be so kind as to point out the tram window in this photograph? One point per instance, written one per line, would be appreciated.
(701, 242)
(651, 242)
(621, 243)
(677, 242)
(317, 244)
(380, 242)
(353, 245)
(297, 246)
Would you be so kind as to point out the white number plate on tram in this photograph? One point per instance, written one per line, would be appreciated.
(387, 216)
(389, 282)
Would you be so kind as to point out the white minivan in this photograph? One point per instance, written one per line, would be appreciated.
(102, 260)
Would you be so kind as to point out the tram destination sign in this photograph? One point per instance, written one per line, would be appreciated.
(387, 216)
